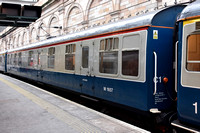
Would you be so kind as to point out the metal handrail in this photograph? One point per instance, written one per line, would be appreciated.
(155, 73)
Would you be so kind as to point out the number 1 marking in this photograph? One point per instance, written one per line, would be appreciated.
(195, 106)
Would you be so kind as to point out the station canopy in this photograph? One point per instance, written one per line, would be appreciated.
(18, 16)
(18, 13)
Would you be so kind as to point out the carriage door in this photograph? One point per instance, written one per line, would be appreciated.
(86, 68)
(189, 78)
(39, 65)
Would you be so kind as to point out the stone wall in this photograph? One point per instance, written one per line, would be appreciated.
(67, 16)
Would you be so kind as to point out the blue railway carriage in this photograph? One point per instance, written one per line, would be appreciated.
(188, 68)
(123, 62)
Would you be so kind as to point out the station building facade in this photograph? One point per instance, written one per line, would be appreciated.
(60, 17)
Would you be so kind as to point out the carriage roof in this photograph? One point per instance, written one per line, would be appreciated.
(190, 11)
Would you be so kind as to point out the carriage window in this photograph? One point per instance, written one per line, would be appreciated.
(85, 56)
(130, 61)
(51, 57)
(15, 59)
(4, 58)
(130, 55)
(8, 59)
(70, 57)
(20, 59)
(193, 53)
(30, 58)
(0, 59)
(11, 59)
(108, 56)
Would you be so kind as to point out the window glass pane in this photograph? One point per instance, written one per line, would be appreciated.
(108, 44)
(30, 58)
(69, 62)
(102, 45)
(116, 43)
(131, 41)
(70, 57)
(108, 56)
(20, 59)
(193, 53)
(11, 59)
(3, 59)
(8, 60)
(51, 61)
(38, 58)
(51, 57)
(15, 59)
(74, 48)
(130, 61)
(67, 49)
(85, 56)
(51, 51)
(108, 62)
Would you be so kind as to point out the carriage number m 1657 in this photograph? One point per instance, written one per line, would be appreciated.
(108, 89)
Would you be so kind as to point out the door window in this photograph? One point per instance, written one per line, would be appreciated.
(20, 59)
(85, 56)
(193, 53)
(30, 58)
(70, 57)
(51, 57)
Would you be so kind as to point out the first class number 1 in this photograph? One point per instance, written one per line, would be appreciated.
(195, 107)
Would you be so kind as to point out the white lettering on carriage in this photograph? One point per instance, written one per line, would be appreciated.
(195, 107)
(108, 89)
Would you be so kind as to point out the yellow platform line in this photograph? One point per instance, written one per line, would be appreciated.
(60, 114)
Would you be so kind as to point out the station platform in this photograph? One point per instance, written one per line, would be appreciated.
(25, 108)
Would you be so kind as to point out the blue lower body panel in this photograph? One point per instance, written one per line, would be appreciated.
(129, 93)
(189, 105)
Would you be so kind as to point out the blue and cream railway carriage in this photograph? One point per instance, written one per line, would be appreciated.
(123, 62)
(188, 68)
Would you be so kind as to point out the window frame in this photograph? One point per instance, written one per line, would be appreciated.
(88, 50)
(15, 59)
(187, 58)
(141, 47)
(111, 50)
(128, 50)
(71, 51)
(30, 63)
(20, 59)
(48, 57)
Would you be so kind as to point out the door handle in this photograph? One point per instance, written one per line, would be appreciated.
(155, 73)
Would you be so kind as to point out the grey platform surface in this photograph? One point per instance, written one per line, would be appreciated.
(25, 108)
